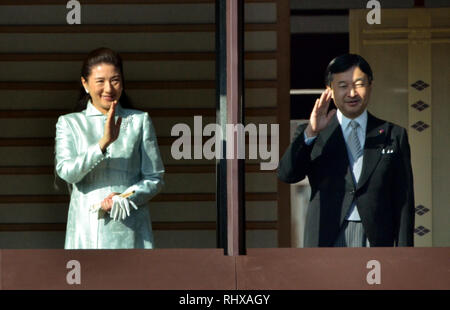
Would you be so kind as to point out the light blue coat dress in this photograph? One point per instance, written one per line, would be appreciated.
(131, 163)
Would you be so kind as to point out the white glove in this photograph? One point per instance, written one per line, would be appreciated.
(121, 208)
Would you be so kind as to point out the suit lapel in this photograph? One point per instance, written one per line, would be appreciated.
(332, 142)
(375, 139)
(330, 129)
(335, 138)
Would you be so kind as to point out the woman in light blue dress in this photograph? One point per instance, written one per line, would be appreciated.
(104, 152)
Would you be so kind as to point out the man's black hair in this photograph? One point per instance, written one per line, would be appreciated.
(344, 62)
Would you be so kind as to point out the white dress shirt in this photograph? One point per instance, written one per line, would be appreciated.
(353, 214)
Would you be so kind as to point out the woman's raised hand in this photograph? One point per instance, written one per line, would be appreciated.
(112, 128)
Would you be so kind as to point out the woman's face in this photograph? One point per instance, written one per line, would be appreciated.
(104, 85)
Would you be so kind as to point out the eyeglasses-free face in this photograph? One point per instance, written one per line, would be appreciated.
(105, 85)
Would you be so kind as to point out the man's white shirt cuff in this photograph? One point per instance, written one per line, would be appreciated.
(309, 141)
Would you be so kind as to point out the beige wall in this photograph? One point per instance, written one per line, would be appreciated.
(411, 45)
(441, 145)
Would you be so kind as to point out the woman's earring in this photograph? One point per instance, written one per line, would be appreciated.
(87, 92)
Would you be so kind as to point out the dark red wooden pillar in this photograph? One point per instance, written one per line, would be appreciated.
(230, 172)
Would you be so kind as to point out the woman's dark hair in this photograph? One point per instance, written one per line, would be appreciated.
(343, 63)
(95, 57)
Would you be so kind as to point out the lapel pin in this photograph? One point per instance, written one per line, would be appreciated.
(381, 131)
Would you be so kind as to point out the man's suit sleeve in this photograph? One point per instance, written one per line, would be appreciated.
(405, 195)
(295, 162)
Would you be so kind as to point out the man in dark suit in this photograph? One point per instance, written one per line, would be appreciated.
(358, 166)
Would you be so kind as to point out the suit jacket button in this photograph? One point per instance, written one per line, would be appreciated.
(352, 192)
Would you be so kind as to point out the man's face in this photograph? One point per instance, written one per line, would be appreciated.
(351, 91)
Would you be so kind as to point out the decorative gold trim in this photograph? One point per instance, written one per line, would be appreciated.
(405, 41)
(405, 30)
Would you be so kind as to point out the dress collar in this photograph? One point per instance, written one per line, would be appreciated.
(93, 111)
